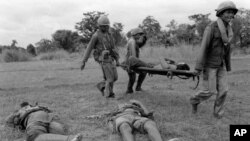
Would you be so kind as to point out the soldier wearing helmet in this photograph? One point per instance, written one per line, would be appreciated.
(106, 54)
(132, 60)
(214, 59)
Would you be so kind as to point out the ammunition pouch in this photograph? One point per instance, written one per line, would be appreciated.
(105, 57)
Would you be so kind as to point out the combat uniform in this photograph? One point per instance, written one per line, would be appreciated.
(214, 60)
(105, 54)
(38, 124)
(130, 114)
(133, 61)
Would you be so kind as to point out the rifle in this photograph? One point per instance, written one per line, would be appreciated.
(183, 74)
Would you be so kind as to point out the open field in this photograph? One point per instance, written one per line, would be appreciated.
(72, 94)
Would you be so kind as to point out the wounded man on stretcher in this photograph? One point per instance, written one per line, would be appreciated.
(166, 67)
(134, 63)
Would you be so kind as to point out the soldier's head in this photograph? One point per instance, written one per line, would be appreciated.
(103, 23)
(139, 36)
(226, 11)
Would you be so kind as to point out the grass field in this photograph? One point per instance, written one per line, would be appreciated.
(72, 94)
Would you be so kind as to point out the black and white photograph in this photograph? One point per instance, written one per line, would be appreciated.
(124, 70)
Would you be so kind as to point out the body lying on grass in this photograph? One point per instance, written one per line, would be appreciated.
(129, 118)
(39, 124)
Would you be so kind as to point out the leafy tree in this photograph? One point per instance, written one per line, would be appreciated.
(88, 25)
(45, 45)
(151, 26)
(31, 49)
(116, 32)
(241, 26)
(165, 38)
(185, 33)
(66, 39)
(13, 44)
(172, 26)
(201, 21)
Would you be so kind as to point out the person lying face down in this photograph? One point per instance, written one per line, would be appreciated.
(38, 124)
(133, 117)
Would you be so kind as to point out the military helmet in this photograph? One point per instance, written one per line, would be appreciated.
(103, 20)
(226, 5)
(136, 31)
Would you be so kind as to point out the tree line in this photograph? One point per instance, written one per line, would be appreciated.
(173, 34)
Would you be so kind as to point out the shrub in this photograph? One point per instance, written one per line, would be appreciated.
(13, 55)
(31, 50)
(55, 55)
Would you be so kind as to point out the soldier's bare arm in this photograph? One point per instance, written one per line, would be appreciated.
(90, 46)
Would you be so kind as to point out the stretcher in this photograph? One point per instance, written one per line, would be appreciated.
(182, 74)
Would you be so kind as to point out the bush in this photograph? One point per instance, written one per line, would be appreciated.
(55, 55)
(13, 55)
(31, 50)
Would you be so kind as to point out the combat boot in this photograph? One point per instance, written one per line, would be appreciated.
(101, 88)
(111, 95)
(140, 80)
(138, 88)
(129, 91)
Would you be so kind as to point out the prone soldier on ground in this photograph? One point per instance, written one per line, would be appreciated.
(39, 124)
(132, 117)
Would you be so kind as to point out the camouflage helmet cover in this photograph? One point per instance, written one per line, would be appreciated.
(226, 5)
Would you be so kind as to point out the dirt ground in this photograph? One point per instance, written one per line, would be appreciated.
(72, 94)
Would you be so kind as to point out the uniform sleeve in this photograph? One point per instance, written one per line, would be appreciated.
(206, 40)
(90, 46)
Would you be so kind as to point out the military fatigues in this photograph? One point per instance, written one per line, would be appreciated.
(38, 125)
(130, 114)
(132, 60)
(105, 54)
(214, 60)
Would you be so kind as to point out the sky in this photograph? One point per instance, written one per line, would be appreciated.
(29, 21)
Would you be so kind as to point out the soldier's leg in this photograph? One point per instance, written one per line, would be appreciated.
(131, 81)
(57, 137)
(140, 80)
(153, 132)
(110, 74)
(209, 88)
(57, 128)
(126, 132)
(222, 93)
(101, 85)
(115, 77)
